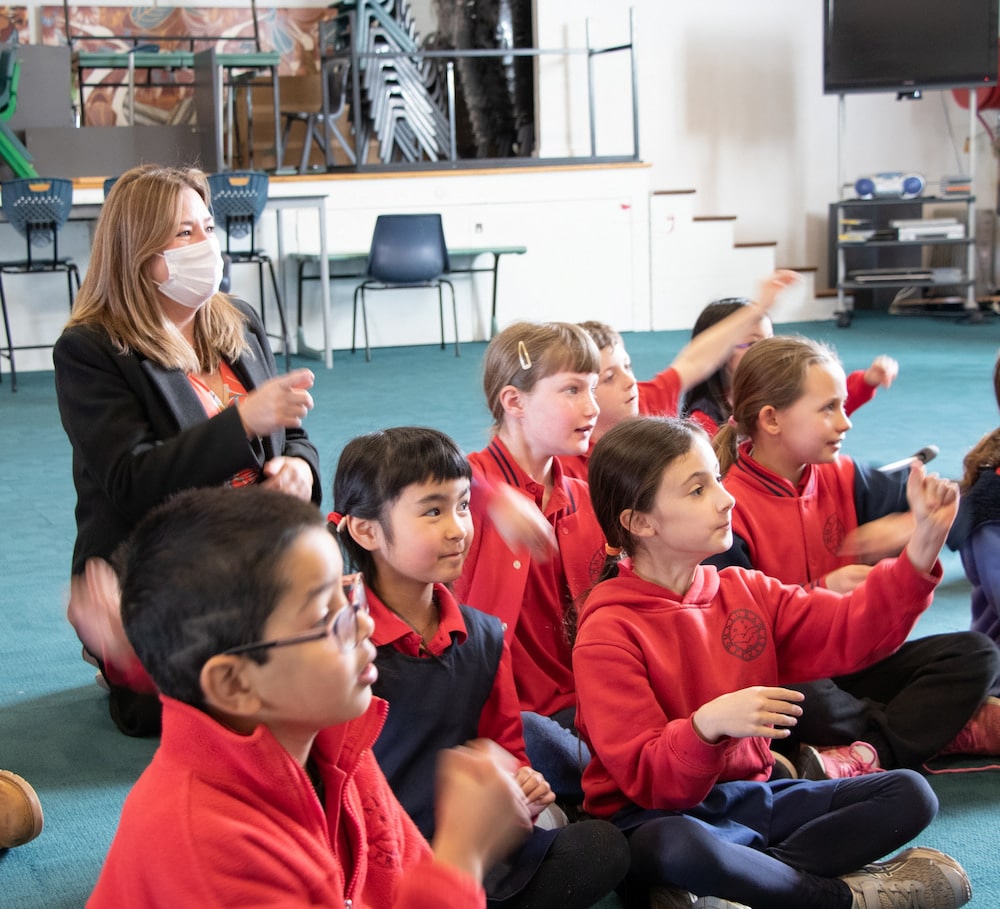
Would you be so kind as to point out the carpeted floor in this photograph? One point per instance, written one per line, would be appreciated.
(54, 727)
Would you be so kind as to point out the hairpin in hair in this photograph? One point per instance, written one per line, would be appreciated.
(612, 551)
(337, 519)
(523, 355)
(732, 421)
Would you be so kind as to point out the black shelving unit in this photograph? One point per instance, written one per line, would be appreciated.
(849, 256)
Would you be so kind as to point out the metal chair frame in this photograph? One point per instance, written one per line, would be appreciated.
(392, 265)
(334, 77)
(37, 208)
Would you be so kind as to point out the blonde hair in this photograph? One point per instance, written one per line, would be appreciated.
(771, 373)
(137, 222)
(986, 453)
(526, 352)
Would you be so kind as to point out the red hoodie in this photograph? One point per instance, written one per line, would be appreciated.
(222, 819)
(646, 659)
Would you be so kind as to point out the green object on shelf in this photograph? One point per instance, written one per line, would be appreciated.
(12, 150)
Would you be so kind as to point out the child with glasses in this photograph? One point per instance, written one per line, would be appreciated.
(682, 674)
(403, 516)
(709, 401)
(264, 790)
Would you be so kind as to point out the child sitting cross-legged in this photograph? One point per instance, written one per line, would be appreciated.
(264, 791)
(403, 516)
(682, 673)
(808, 514)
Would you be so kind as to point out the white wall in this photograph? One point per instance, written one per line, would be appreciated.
(731, 104)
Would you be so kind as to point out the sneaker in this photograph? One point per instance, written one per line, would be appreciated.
(918, 878)
(783, 768)
(20, 811)
(670, 898)
(837, 762)
(981, 735)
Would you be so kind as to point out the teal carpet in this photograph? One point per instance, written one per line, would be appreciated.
(54, 727)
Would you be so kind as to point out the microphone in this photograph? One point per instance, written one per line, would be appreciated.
(927, 453)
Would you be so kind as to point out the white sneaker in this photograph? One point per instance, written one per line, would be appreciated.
(917, 878)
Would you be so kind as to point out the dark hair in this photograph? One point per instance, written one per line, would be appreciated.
(772, 372)
(202, 573)
(625, 470)
(711, 395)
(986, 453)
(374, 469)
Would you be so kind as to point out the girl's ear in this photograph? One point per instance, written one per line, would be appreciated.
(637, 523)
(767, 420)
(227, 687)
(365, 532)
(512, 401)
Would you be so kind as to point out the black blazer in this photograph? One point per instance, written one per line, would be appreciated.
(139, 433)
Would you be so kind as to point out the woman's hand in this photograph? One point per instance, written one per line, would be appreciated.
(759, 710)
(289, 475)
(280, 403)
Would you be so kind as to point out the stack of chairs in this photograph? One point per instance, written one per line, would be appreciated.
(404, 99)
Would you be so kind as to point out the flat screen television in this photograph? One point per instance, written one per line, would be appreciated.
(908, 45)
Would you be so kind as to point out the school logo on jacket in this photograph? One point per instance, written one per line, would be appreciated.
(833, 534)
(745, 635)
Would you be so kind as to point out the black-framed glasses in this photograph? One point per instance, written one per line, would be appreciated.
(342, 624)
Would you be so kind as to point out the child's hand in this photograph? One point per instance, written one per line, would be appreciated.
(882, 538)
(536, 789)
(480, 812)
(770, 287)
(934, 504)
(748, 712)
(883, 371)
(845, 579)
(521, 523)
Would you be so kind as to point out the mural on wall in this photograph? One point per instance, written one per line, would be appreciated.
(164, 96)
(13, 24)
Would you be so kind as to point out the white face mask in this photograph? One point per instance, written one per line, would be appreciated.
(194, 272)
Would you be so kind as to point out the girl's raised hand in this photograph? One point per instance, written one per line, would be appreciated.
(774, 284)
(934, 504)
(759, 710)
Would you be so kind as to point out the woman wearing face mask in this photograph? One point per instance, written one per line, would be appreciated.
(163, 384)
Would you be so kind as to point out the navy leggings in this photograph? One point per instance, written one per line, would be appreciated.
(791, 857)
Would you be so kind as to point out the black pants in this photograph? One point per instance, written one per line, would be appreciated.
(907, 706)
